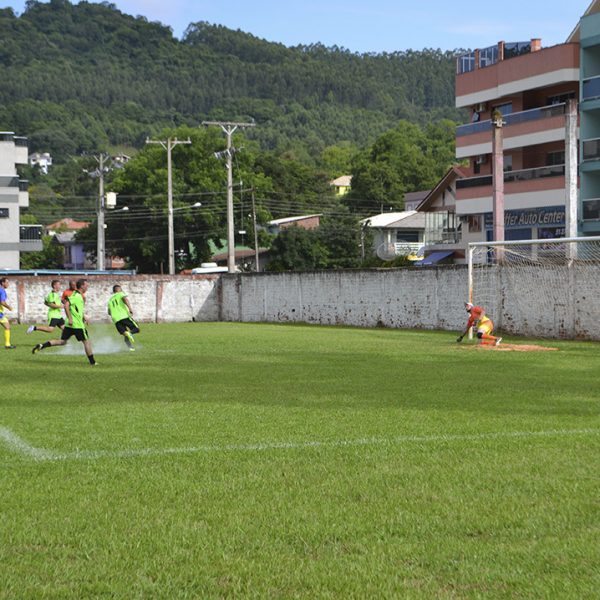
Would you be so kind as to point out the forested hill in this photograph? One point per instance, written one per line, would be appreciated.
(86, 76)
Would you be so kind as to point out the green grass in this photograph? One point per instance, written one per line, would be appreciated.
(186, 470)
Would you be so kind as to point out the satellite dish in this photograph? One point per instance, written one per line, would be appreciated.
(386, 251)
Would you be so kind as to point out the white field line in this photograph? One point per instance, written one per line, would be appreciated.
(19, 446)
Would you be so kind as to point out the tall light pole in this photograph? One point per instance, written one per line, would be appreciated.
(168, 145)
(229, 127)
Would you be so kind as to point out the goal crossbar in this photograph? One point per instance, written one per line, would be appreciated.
(535, 242)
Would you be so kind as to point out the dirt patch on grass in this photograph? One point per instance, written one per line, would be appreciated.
(514, 348)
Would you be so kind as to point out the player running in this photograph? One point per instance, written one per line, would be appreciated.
(121, 313)
(484, 325)
(54, 304)
(76, 323)
(4, 305)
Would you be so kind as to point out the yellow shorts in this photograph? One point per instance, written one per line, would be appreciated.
(486, 327)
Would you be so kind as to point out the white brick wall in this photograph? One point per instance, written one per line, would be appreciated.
(411, 298)
(153, 298)
(427, 298)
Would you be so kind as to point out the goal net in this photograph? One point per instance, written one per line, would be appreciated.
(539, 288)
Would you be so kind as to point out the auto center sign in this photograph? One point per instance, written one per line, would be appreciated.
(549, 216)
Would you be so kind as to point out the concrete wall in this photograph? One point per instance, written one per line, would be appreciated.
(153, 298)
(409, 298)
(559, 305)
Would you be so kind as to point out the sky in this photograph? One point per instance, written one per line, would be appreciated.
(369, 25)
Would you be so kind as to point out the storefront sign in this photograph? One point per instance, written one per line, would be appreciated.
(553, 216)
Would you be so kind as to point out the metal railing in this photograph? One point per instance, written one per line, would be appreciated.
(406, 248)
(521, 175)
(23, 185)
(524, 116)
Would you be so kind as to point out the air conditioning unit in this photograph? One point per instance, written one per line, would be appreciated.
(481, 160)
(481, 107)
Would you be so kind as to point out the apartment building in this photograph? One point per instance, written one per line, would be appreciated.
(14, 237)
(531, 87)
(587, 35)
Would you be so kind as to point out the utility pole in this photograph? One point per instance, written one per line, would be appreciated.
(101, 239)
(229, 127)
(256, 259)
(168, 145)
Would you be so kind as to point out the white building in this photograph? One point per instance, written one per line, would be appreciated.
(41, 159)
(14, 237)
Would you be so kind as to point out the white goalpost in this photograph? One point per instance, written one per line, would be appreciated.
(540, 288)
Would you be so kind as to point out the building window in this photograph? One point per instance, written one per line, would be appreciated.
(474, 223)
(555, 158)
(407, 236)
(513, 49)
(507, 162)
(591, 210)
(561, 98)
(466, 63)
(505, 109)
(488, 56)
(4, 213)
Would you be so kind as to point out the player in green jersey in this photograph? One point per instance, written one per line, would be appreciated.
(54, 304)
(121, 313)
(76, 323)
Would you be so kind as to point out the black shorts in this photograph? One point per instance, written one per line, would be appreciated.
(124, 324)
(56, 322)
(80, 334)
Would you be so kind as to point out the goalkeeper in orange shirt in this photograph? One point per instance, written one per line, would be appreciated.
(483, 324)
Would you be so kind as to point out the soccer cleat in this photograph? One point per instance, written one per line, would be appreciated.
(31, 329)
(11, 347)
(131, 349)
(498, 340)
(36, 348)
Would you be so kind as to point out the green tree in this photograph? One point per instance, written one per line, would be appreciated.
(51, 257)
(297, 249)
(405, 159)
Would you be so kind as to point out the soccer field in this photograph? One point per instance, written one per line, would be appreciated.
(242, 460)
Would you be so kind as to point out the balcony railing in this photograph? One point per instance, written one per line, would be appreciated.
(406, 248)
(23, 185)
(591, 149)
(489, 56)
(30, 233)
(590, 88)
(21, 141)
(522, 175)
(533, 114)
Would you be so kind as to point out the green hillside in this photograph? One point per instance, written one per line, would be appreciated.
(81, 77)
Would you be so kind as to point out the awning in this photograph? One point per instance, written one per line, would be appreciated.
(435, 257)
